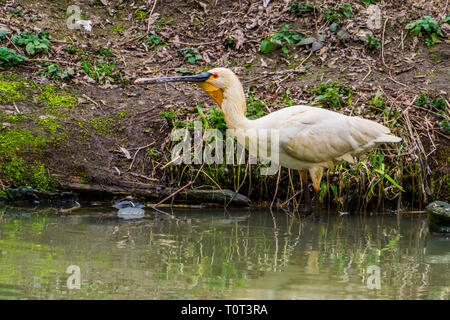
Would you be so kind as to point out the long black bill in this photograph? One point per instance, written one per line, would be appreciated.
(195, 78)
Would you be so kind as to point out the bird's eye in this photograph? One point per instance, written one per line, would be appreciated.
(215, 75)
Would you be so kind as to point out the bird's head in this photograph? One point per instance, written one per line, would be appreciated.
(213, 82)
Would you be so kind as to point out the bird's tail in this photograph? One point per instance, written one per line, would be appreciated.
(388, 138)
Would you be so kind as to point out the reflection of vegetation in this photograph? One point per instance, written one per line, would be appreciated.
(211, 258)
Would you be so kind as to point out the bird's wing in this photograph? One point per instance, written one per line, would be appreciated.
(318, 136)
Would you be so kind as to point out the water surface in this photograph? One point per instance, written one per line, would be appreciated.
(237, 254)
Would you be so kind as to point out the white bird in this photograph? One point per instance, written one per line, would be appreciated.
(310, 138)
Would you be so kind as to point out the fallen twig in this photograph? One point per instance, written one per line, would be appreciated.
(172, 194)
(139, 149)
(167, 214)
(382, 43)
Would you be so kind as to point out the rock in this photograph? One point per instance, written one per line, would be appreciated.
(131, 213)
(438, 216)
(128, 202)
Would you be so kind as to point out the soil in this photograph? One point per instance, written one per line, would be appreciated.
(227, 34)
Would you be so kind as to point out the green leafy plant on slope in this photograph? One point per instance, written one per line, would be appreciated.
(34, 44)
(428, 26)
(281, 38)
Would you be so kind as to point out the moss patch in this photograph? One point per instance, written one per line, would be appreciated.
(102, 125)
(9, 91)
(53, 99)
(14, 142)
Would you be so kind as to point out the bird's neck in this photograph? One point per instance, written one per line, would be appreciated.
(234, 108)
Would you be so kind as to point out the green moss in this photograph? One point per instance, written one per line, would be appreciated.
(10, 76)
(122, 114)
(34, 176)
(53, 99)
(18, 139)
(118, 29)
(48, 124)
(14, 118)
(15, 142)
(9, 91)
(102, 125)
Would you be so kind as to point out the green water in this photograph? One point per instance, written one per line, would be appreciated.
(217, 254)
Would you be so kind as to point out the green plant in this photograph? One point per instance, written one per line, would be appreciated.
(99, 69)
(342, 12)
(377, 104)
(366, 2)
(18, 12)
(153, 41)
(383, 170)
(169, 116)
(333, 95)
(162, 21)
(427, 99)
(285, 36)
(153, 152)
(216, 119)
(54, 71)
(287, 99)
(445, 126)
(33, 44)
(184, 71)
(10, 57)
(446, 19)
(426, 25)
(439, 103)
(372, 42)
(254, 106)
(118, 29)
(105, 52)
(70, 48)
(191, 55)
(422, 100)
(3, 34)
(299, 8)
(140, 15)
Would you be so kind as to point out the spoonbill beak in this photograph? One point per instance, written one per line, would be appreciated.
(202, 77)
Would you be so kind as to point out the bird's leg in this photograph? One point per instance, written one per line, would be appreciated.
(308, 203)
(316, 177)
